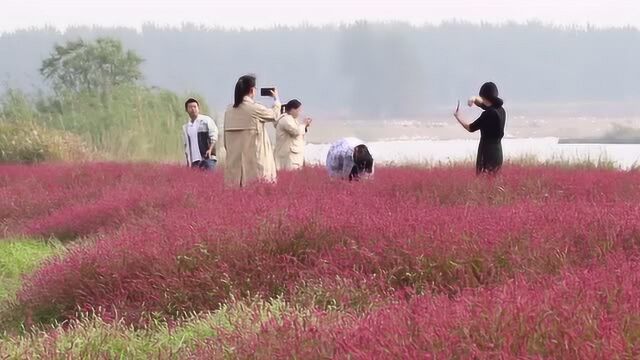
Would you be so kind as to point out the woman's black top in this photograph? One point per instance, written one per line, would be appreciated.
(491, 125)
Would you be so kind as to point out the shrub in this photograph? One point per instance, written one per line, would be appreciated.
(28, 143)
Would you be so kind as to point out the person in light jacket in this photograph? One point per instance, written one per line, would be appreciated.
(249, 151)
(199, 136)
(349, 159)
(290, 133)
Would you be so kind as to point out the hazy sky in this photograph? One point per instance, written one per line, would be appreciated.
(19, 14)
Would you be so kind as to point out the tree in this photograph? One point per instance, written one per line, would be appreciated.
(91, 66)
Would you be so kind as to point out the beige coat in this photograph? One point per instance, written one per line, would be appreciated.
(289, 143)
(249, 151)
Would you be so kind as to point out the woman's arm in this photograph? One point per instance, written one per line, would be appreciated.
(266, 114)
(270, 114)
(474, 126)
(291, 126)
(460, 120)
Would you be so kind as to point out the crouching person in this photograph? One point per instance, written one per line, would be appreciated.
(349, 159)
(199, 135)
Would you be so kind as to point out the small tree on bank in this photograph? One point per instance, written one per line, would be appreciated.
(98, 66)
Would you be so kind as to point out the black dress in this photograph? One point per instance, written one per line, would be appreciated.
(491, 125)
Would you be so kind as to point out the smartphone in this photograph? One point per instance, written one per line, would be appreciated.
(266, 91)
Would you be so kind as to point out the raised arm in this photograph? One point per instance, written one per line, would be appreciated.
(462, 122)
(291, 126)
(473, 127)
(266, 114)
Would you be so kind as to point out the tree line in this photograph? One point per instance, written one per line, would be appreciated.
(364, 69)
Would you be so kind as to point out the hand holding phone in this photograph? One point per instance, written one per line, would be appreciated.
(268, 92)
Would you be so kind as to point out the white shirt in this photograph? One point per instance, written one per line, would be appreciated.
(192, 133)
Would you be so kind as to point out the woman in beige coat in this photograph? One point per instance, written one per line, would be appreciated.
(249, 152)
(290, 137)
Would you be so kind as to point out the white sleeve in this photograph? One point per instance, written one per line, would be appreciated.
(185, 141)
(347, 162)
(213, 130)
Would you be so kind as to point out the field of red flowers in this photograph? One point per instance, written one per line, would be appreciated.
(539, 261)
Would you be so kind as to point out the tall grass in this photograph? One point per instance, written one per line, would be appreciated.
(190, 245)
(91, 337)
(31, 143)
(536, 262)
(128, 123)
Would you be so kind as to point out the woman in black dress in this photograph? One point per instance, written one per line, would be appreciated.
(491, 126)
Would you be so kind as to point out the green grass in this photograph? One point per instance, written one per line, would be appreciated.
(90, 337)
(19, 257)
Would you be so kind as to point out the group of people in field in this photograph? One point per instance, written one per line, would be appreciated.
(251, 157)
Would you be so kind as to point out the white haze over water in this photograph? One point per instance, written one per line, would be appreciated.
(624, 156)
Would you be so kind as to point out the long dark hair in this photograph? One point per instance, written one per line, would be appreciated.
(243, 88)
(363, 162)
(489, 91)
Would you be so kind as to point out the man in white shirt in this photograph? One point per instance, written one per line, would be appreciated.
(199, 135)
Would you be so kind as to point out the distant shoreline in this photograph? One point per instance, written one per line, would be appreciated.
(599, 141)
(561, 141)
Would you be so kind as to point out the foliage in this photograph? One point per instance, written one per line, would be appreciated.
(30, 143)
(97, 98)
(96, 66)
(16, 106)
(128, 123)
